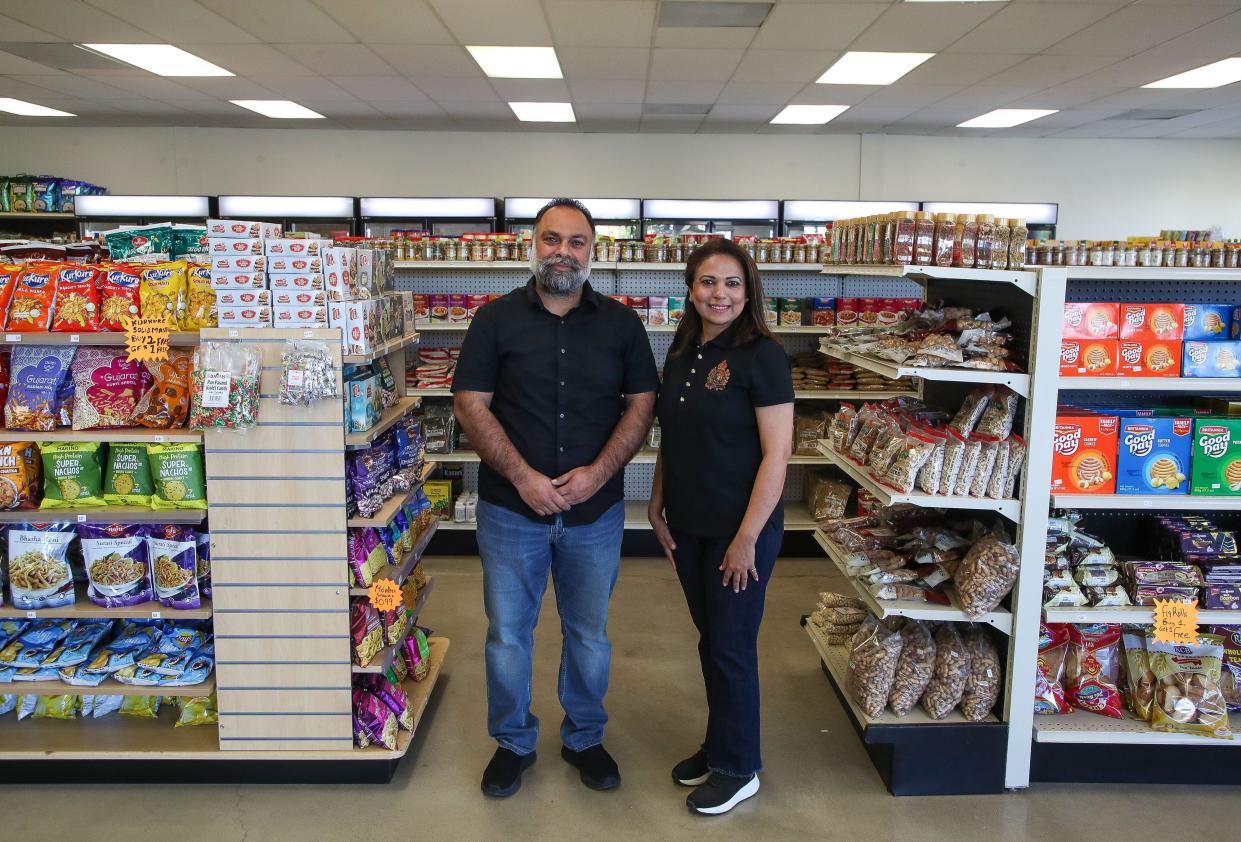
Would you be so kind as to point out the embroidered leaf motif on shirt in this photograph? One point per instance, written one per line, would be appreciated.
(717, 378)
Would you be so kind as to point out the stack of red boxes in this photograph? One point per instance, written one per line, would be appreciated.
(1121, 340)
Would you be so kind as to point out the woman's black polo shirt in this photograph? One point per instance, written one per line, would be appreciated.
(711, 447)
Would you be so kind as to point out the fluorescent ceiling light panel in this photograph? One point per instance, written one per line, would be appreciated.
(1005, 118)
(517, 62)
(1036, 213)
(808, 115)
(809, 210)
(302, 207)
(528, 208)
(862, 68)
(29, 109)
(384, 207)
(543, 112)
(162, 206)
(162, 59)
(700, 209)
(279, 109)
(1214, 75)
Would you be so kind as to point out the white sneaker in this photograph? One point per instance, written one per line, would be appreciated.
(721, 793)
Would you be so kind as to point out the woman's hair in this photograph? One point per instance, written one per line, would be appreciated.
(749, 325)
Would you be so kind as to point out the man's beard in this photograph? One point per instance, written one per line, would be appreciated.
(556, 282)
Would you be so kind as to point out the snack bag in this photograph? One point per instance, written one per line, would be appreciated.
(107, 386)
(204, 563)
(38, 377)
(188, 239)
(1139, 680)
(8, 283)
(143, 241)
(166, 404)
(197, 710)
(21, 476)
(1230, 675)
(127, 481)
(366, 630)
(115, 557)
(1053, 645)
(118, 288)
(1092, 670)
(72, 474)
(39, 573)
(162, 290)
(30, 311)
(234, 407)
(200, 308)
(77, 300)
(173, 554)
(177, 470)
(1188, 699)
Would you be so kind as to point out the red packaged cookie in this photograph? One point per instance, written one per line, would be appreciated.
(1088, 358)
(1092, 669)
(1152, 322)
(1090, 321)
(1084, 454)
(1148, 358)
(77, 300)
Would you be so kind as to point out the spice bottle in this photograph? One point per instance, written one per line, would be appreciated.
(945, 237)
(924, 238)
(903, 238)
(999, 244)
(1017, 244)
(986, 239)
(964, 241)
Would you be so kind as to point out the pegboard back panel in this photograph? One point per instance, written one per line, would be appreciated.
(490, 281)
(861, 286)
(1140, 291)
(809, 284)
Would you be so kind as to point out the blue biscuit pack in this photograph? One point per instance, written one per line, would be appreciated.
(1211, 359)
(1207, 322)
(1154, 455)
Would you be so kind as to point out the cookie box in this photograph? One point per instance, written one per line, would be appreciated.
(293, 264)
(1153, 455)
(1084, 454)
(238, 263)
(238, 280)
(1090, 321)
(1148, 358)
(243, 298)
(301, 281)
(1216, 468)
(1152, 322)
(1212, 359)
(1089, 358)
(221, 246)
(1207, 322)
(293, 246)
(239, 229)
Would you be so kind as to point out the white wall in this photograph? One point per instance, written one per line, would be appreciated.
(1106, 188)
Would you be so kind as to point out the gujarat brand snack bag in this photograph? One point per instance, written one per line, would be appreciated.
(39, 572)
(177, 470)
(107, 386)
(128, 479)
(77, 301)
(30, 310)
(173, 554)
(72, 474)
(162, 289)
(166, 404)
(118, 286)
(115, 558)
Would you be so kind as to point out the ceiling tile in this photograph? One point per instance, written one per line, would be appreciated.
(228, 87)
(861, 115)
(406, 108)
(1049, 70)
(800, 26)
(1031, 27)
(983, 98)
(340, 108)
(684, 92)
(72, 20)
(607, 111)
(1137, 28)
(836, 94)
(604, 62)
(728, 127)
(1139, 70)
(753, 114)
(901, 96)
(752, 94)
(609, 126)
(337, 59)
(667, 124)
(19, 32)
(388, 21)
(176, 21)
(611, 91)
(11, 64)
(937, 118)
(601, 23)
(517, 23)
(252, 60)
(421, 60)
(1207, 43)
(1138, 98)
(157, 87)
(955, 69)
(694, 65)
(68, 84)
(282, 21)
(923, 27)
(784, 65)
(1063, 96)
(531, 90)
(301, 88)
(460, 90)
(391, 88)
(719, 37)
(468, 108)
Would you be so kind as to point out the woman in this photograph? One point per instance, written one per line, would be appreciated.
(726, 415)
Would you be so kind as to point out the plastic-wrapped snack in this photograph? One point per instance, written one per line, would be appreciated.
(827, 497)
(21, 478)
(869, 423)
(1111, 596)
(166, 403)
(941, 349)
(997, 420)
(118, 286)
(224, 390)
(366, 629)
(969, 467)
(1092, 669)
(1096, 575)
(844, 427)
(77, 300)
(414, 663)
(931, 474)
(889, 442)
(830, 599)
(39, 572)
(360, 544)
(988, 453)
(374, 719)
(37, 377)
(952, 670)
(914, 667)
(1188, 699)
(197, 710)
(48, 707)
(162, 290)
(308, 373)
(30, 308)
(1140, 682)
(1000, 472)
(1230, 673)
(986, 575)
(177, 474)
(72, 474)
(395, 624)
(8, 703)
(128, 478)
(173, 552)
(954, 461)
(393, 696)
(873, 658)
(915, 450)
(971, 411)
(144, 707)
(200, 303)
(115, 558)
(203, 541)
(982, 687)
(1063, 596)
(196, 671)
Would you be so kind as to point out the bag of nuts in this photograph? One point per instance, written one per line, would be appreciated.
(986, 575)
(913, 668)
(982, 687)
(952, 670)
(872, 666)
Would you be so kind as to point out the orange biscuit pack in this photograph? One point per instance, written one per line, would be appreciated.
(30, 311)
(77, 299)
(1084, 454)
(1088, 358)
(1090, 321)
(1152, 322)
(1148, 358)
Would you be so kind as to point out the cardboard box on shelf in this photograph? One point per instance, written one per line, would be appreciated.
(239, 229)
(1084, 454)
(1152, 322)
(243, 298)
(1207, 322)
(293, 246)
(1088, 358)
(299, 297)
(293, 264)
(299, 316)
(238, 280)
(1153, 455)
(439, 492)
(238, 263)
(409, 310)
(1090, 321)
(244, 316)
(1148, 358)
(1216, 468)
(1212, 359)
(223, 246)
(301, 281)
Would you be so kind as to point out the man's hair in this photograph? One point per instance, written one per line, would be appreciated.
(564, 202)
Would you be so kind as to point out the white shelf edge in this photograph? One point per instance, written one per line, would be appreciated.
(1143, 273)
(600, 265)
(1024, 279)
(1019, 383)
(1200, 385)
(1133, 614)
(1093, 728)
(1147, 502)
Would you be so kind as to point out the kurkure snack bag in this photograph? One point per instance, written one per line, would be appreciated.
(8, 282)
(77, 300)
(163, 290)
(118, 286)
(30, 310)
(200, 308)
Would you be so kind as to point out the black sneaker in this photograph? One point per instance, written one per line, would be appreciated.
(596, 765)
(502, 777)
(721, 793)
(692, 771)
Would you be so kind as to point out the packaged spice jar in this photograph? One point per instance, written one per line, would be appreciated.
(999, 244)
(986, 238)
(1017, 243)
(924, 238)
(945, 237)
(902, 226)
(966, 239)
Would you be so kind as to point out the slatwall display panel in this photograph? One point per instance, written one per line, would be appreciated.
(860, 286)
(290, 606)
(809, 284)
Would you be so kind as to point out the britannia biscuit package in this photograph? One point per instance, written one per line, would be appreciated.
(1090, 321)
(1084, 454)
(1152, 322)
(1148, 358)
(1216, 466)
(1089, 357)
(1206, 322)
(1210, 359)
(1154, 455)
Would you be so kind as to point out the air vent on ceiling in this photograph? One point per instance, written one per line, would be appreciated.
(663, 109)
(62, 56)
(692, 13)
(1153, 114)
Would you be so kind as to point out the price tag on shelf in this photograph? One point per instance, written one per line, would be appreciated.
(32, 615)
(216, 385)
(1176, 622)
(12, 337)
(146, 338)
(308, 334)
(160, 439)
(385, 595)
(233, 334)
(81, 518)
(155, 615)
(74, 338)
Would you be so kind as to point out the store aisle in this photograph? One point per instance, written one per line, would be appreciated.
(818, 781)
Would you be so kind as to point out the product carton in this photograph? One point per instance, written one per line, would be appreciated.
(243, 298)
(771, 311)
(238, 263)
(457, 308)
(1154, 455)
(300, 281)
(1207, 322)
(237, 229)
(438, 307)
(1088, 358)
(1084, 454)
(245, 316)
(472, 305)
(790, 312)
(294, 264)
(238, 280)
(220, 246)
(364, 402)
(410, 311)
(294, 246)
(823, 312)
(1216, 468)
(422, 308)
(363, 334)
(868, 310)
(1212, 359)
(657, 311)
(640, 305)
(846, 311)
(1148, 358)
(299, 298)
(1152, 322)
(1090, 321)
(676, 309)
(439, 492)
(299, 316)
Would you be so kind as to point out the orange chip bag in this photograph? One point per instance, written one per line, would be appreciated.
(30, 311)
(77, 300)
(118, 287)
(8, 282)
(167, 403)
(21, 475)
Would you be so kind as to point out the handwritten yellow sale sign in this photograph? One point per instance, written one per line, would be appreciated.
(146, 338)
(1176, 622)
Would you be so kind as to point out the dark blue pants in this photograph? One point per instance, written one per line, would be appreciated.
(727, 645)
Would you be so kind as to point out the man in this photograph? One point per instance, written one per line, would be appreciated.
(555, 389)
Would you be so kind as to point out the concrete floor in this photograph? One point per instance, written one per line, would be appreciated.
(818, 782)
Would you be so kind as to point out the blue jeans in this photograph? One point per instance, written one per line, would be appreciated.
(517, 554)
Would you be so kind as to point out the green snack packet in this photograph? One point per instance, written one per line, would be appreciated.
(72, 474)
(21, 199)
(177, 472)
(188, 239)
(138, 241)
(128, 480)
(5, 204)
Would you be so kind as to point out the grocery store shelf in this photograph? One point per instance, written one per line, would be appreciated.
(428, 393)
(1147, 502)
(1134, 614)
(391, 415)
(419, 693)
(454, 457)
(462, 327)
(1084, 727)
(645, 456)
(115, 434)
(1197, 385)
(106, 338)
(401, 573)
(1019, 383)
(110, 687)
(382, 662)
(84, 609)
(1026, 281)
(1131, 273)
(114, 737)
(382, 351)
(680, 267)
(104, 514)
(62, 215)
(1010, 508)
(1000, 619)
(850, 394)
(796, 518)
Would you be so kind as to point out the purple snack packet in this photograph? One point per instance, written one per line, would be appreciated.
(392, 695)
(358, 552)
(204, 562)
(375, 718)
(173, 553)
(117, 569)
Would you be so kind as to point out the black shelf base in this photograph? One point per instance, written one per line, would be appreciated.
(1117, 763)
(198, 771)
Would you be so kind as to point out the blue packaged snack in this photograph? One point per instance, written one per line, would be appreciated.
(76, 648)
(1212, 359)
(79, 676)
(36, 388)
(36, 674)
(39, 572)
(1207, 322)
(364, 403)
(204, 563)
(45, 633)
(10, 629)
(405, 442)
(173, 551)
(117, 571)
(1153, 455)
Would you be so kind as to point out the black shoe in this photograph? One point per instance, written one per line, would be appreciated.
(502, 777)
(596, 765)
(721, 793)
(692, 771)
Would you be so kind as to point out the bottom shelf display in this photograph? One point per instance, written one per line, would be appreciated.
(1084, 727)
(419, 695)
